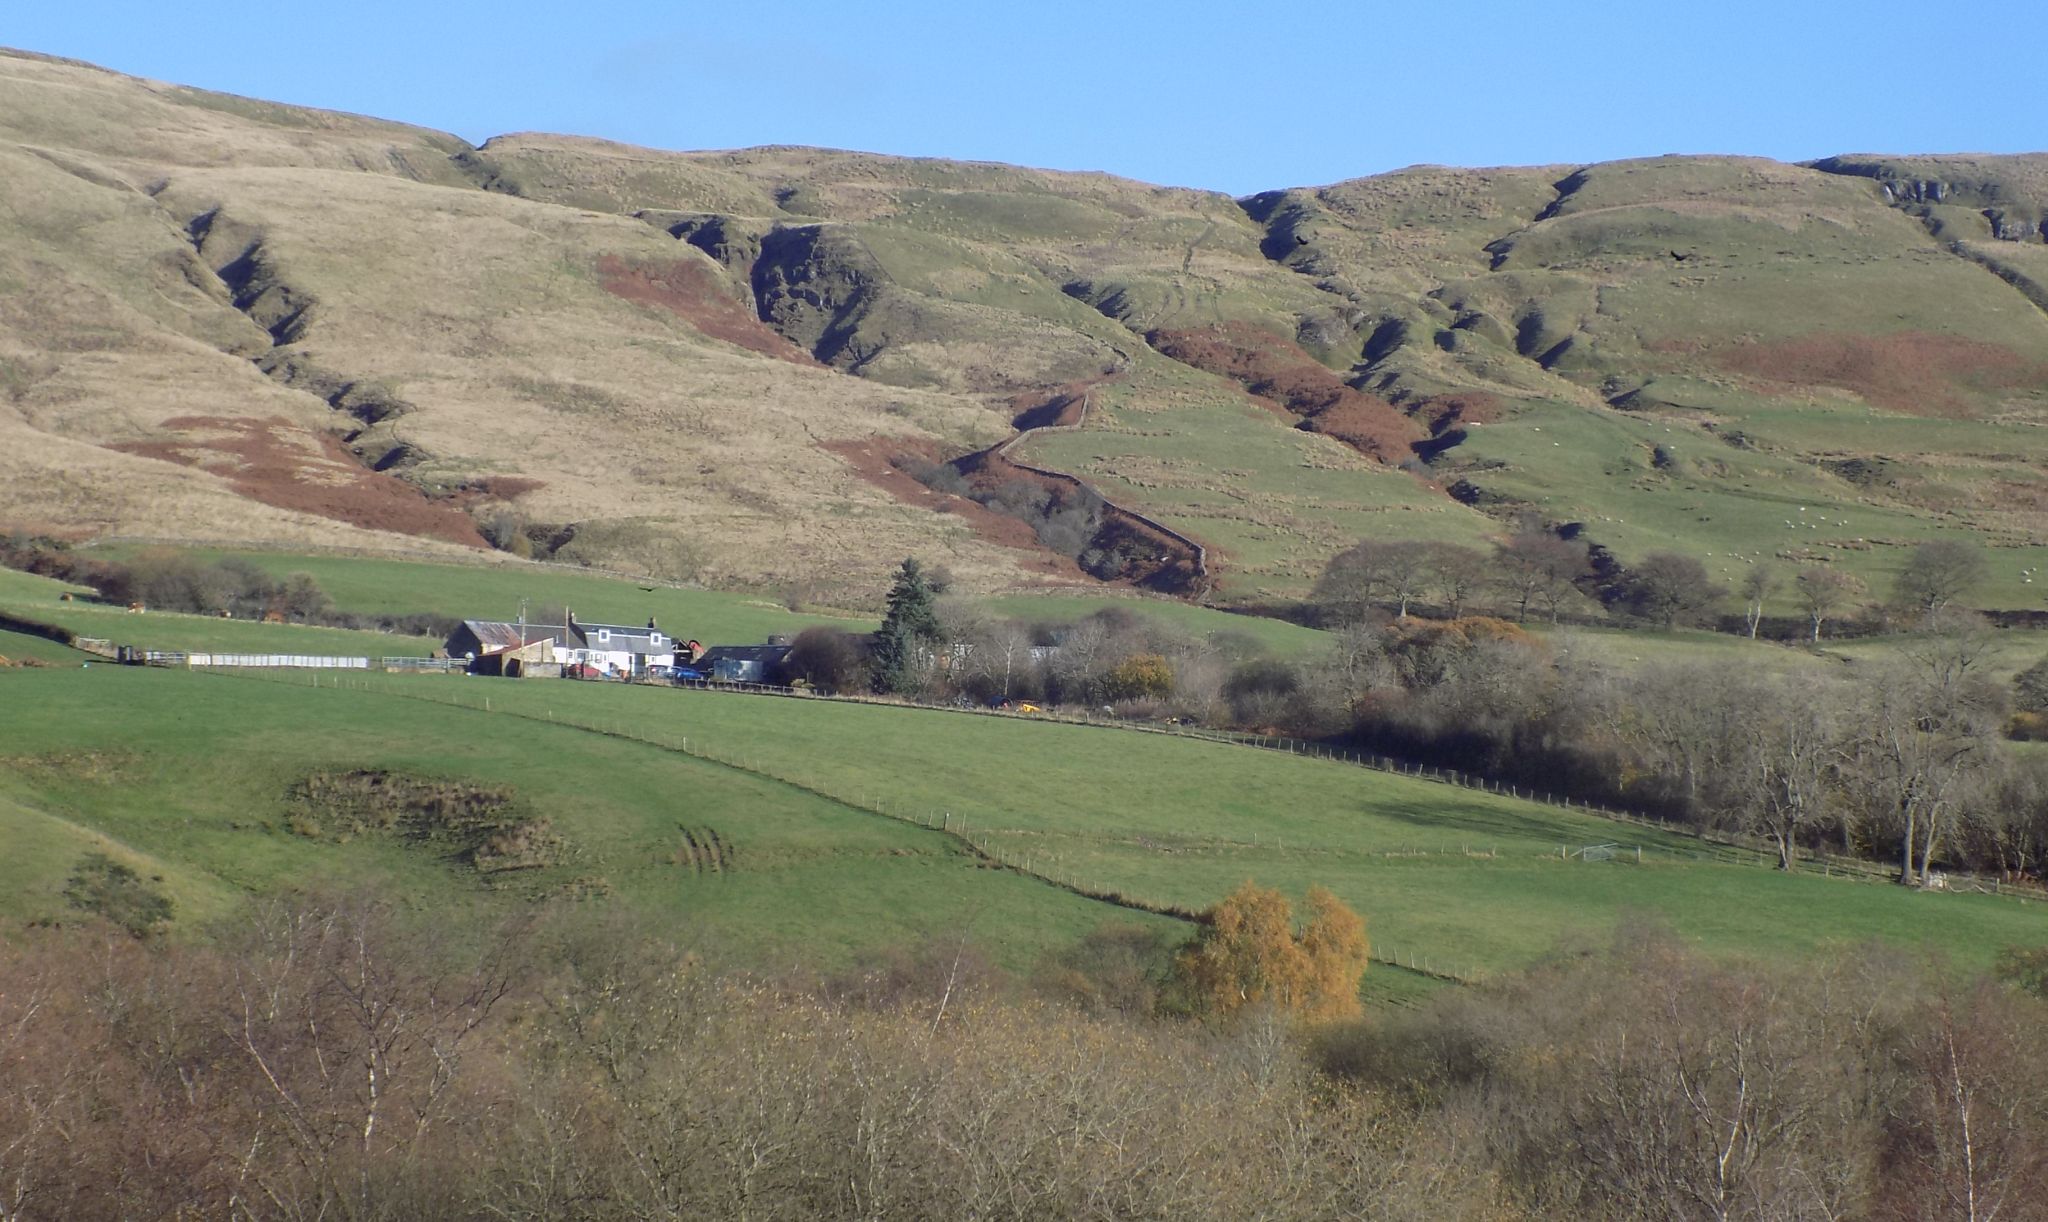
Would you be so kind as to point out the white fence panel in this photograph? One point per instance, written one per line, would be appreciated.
(274, 661)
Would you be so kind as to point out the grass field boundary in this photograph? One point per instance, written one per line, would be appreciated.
(28, 627)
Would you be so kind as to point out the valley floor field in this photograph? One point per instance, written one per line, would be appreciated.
(191, 781)
(192, 775)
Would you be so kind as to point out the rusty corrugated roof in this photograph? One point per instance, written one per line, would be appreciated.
(495, 636)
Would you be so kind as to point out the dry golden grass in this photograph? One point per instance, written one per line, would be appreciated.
(133, 128)
(681, 455)
(528, 306)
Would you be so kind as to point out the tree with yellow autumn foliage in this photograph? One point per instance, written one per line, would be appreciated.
(1337, 949)
(1141, 676)
(1250, 954)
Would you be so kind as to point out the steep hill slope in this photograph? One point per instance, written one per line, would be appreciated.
(1721, 350)
(331, 334)
(229, 320)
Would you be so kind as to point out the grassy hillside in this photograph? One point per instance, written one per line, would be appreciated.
(17, 646)
(233, 321)
(40, 600)
(1182, 821)
(1273, 503)
(1705, 345)
(1661, 483)
(438, 355)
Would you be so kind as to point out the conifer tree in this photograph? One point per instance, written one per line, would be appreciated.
(911, 625)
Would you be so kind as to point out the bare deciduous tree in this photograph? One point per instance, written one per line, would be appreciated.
(1758, 584)
(1538, 567)
(1667, 588)
(1374, 572)
(1925, 728)
(1783, 775)
(1456, 575)
(1824, 593)
(356, 1042)
(1938, 573)
(1688, 720)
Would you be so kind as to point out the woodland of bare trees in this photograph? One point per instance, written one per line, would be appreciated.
(1638, 1080)
(1555, 575)
(1904, 758)
(325, 1059)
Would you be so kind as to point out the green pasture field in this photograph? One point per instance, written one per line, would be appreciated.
(372, 586)
(40, 599)
(1879, 432)
(1466, 880)
(1626, 649)
(186, 776)
(1277, 637)
(16, 585)
(19, 645)
(2009, 652)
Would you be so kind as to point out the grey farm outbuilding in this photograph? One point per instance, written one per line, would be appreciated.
(745, 663)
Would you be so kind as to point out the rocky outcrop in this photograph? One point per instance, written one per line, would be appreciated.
(2013, 204)
(814, 284)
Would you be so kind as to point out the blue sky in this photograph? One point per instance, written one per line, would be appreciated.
(1234, 97)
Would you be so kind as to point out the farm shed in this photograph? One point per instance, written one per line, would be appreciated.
(744, 663)
(494, 647)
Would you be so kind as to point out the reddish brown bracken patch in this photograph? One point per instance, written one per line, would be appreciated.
(877, 460)
(1445, 412)
(281, 464)
(504, 487)
(2016, 497)
(1285, 377)
(1913, 371)
(874, 460)
(691, 292)
(473, 492)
